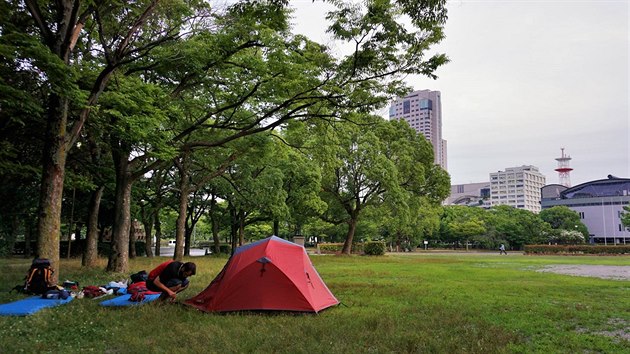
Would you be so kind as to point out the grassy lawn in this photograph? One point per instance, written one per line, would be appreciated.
(425, 303)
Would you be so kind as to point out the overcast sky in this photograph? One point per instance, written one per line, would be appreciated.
(525, 79)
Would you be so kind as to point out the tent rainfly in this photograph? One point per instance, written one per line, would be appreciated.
(270, 274)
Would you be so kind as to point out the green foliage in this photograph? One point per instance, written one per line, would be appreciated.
(374, 248)
(562, 218)
(151, 81)
(489, 228)
(335, 248)
(382, 169)
(569, 237)
(577, 249)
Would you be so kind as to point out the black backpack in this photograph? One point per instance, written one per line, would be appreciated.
(138, 277)
(39, 278)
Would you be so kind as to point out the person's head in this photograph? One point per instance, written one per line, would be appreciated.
(189, 269)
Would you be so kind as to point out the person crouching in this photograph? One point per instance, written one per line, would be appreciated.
(170, 278)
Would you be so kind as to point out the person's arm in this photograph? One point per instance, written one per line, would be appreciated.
(159, 284)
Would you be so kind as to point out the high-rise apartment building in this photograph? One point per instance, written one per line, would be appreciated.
(518, 187)
(422, 110)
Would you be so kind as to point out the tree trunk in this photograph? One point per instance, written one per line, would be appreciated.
(184, 192)
(51, 191)
(132, 239)
(233, 228)
(188, 239)
(347, 245)
(28, 235)
(148, 238)
(241, 228)
(119, 257)
(70, 223)
(158, 232)
(276, 227)
(215, 226)
(77, 237)
(90, 253)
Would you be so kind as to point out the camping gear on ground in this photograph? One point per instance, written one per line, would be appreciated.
(71, 285)
(38, 279)
(56, 294)
(134, 294)
(270, 274)
(117, 288)
(138, 277)
(124, 300)
(138, 291)
(30, 305)
(93, 292)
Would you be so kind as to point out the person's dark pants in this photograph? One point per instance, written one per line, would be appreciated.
(176, 285)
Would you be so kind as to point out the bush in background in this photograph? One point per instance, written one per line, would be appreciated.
(374, 248)
(577, 249)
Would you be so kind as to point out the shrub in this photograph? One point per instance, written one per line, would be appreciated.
(576, 249)
(333, 248)
(374, 248)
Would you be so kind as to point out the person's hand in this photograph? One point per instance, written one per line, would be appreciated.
(172, 295)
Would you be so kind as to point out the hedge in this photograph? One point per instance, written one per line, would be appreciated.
(577, 249)
(372, 248)
(335, 248)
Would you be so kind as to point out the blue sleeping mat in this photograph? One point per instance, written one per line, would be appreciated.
(124, 300)
(30, 305)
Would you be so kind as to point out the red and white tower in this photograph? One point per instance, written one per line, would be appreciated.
(564, 169)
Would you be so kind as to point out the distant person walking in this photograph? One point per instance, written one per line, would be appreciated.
(502, 250)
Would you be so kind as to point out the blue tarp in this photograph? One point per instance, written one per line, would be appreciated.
(124, 300)
(30, 305)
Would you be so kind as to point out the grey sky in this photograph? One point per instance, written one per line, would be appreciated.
(525, 79)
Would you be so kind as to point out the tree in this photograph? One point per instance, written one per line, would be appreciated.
(562, 218)
(238, 73)
(568, 237)
(373, 163)
(462, 223)
(517, 227)
(413, 215)
(61, 39)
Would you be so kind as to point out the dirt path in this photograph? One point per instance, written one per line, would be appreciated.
(598, 271)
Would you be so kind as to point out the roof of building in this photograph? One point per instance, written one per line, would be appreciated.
(610, 187)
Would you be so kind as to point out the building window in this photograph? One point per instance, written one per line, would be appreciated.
(406, 107)
(581, 215)
(426, 104)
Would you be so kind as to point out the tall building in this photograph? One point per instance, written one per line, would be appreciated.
(422, 110)
(600, 206)
(518, 187)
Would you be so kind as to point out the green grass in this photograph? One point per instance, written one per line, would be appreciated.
(423, 303)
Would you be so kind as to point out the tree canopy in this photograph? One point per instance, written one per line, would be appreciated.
(114, 93)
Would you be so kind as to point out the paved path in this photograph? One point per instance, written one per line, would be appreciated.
(169, 251)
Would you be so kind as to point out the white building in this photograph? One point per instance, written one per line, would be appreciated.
(600, 206)
(471, 194)
(518, 187)
(422, 110)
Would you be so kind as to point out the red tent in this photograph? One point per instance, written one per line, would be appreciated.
(270, 274)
